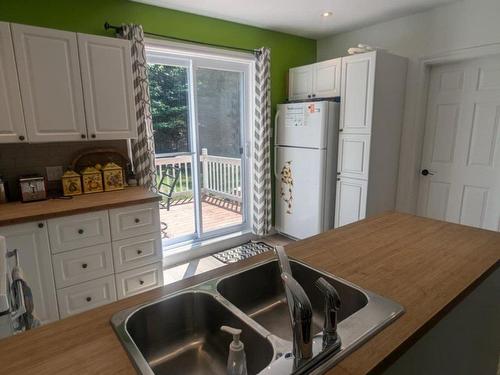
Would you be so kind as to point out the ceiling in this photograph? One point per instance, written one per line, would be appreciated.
(302, 17)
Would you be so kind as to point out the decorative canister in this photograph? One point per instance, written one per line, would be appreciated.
(92, 180)
(113, 177)
(72, 183)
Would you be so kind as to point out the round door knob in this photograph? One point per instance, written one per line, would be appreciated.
(84, 265)
(139, 252)
(137, 220)
(22, 138)
(88, 299)
(426, 172)
(80, 231)
(93, 135)
(40, 225)
(83, 136)
(141, 282)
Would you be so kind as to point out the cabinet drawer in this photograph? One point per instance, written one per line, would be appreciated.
(77, 231)
(139, 280)
(82, 297)
(136, 252)
(135, 220)
(81, 265)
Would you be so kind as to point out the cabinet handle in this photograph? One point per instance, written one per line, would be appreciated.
(40, 225)
(139, 252)
(137, 220)
(80, 231)
(84, 265)
(141, 282)
(93, 135)
(88, 299)
(83, 136)
(22, 138)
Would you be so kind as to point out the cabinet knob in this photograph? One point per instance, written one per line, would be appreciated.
(93, 135)
(308, 96)
(338, 172)
(141, 282)
(137, 220)
(83, 136)
(338, 178)
(22, 138)
(313, 95)
(80, 231)
(139, 252)
(84, 265)
(341, 130)
(40, 225)
(88, 299)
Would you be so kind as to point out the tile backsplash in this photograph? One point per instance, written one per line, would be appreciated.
(19, 159)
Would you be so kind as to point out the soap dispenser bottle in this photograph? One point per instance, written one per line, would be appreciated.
(236, 361)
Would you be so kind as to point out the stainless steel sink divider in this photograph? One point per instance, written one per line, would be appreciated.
(353, 331)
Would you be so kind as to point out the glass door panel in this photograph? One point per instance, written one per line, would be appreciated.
(170, 109)
(219, 109)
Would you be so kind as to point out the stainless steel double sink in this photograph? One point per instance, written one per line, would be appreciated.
(180, 333)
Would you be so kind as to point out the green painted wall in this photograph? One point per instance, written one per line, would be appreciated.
(88, 16)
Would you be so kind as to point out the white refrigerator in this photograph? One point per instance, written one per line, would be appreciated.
(305, 167)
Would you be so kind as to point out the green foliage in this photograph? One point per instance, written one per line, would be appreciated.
(168, 91)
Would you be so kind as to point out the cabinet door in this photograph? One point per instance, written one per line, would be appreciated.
(108, 87)
(358, 81)
(350, 205)
(32, 243)
(12, 124)
(354, 155)
(326, 78)
(300, 82)
(51, 86)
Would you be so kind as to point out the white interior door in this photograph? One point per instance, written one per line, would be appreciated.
(460, 179)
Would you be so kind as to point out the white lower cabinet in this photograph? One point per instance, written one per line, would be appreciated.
(350, 201)
(85, 296)
(32, 244)
(77, 266)
(139, 280)
(72, 264)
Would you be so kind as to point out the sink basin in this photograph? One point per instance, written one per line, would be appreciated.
(265, 302)
(180, 333)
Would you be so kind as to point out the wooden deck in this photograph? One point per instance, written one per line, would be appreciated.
(216, 213)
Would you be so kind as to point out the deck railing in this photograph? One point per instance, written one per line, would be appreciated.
(220, 176)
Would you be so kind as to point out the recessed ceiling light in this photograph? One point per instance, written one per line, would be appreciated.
(326, 14)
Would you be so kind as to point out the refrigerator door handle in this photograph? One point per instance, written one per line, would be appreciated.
(275, 140)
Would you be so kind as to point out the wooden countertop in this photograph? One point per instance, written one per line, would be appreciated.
(423, 264)
(17, 212)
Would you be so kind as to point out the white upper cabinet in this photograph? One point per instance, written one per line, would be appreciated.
(326, 79)
(300, 82)
(108, 87)
(358, 83)
(51, 85)
(320, 80)
(12, 123)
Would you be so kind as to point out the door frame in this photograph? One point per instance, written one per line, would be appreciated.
(424, 71)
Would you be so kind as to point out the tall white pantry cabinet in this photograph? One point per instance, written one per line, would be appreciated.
(371, 116)
(371, 87)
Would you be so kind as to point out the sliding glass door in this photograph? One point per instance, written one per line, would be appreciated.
(201, 121)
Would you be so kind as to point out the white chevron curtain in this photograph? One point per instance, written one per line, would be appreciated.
(143, 148)
(262, 205)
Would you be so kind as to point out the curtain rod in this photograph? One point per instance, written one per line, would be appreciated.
(118, 29)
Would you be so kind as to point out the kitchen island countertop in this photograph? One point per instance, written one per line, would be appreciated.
(423, 264)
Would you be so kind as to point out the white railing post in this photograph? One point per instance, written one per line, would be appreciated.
(204, 168)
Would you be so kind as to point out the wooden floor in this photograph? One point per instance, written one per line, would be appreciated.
(201, 265)
(216, 213)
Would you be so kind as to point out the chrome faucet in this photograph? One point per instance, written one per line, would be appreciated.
(299, 308)
(301, 320)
